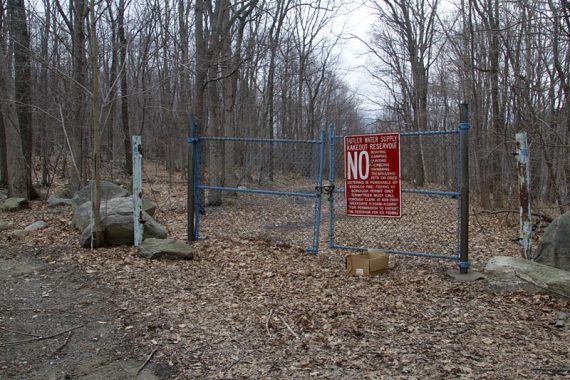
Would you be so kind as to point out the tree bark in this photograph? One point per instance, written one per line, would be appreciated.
(23, 85)
(3, 153)
(96, 125)
(124, 88)
(16, 173)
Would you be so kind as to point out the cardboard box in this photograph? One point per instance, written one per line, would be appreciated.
(371, 263)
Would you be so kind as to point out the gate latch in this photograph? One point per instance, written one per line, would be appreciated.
(328, 188)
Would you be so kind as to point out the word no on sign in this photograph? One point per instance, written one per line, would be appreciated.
(372, 175)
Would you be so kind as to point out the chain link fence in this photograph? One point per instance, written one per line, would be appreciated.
(272, 189)
(429, 224)
(262, 189)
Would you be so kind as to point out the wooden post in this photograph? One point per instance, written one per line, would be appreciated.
(137, 191)
(523, 173)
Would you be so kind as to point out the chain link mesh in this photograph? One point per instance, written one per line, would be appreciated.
(422, 193)
(288, 169)
(271, 194)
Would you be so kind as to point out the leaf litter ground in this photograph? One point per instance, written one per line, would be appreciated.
(253, 308)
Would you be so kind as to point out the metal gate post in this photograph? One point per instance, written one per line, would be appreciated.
(464, 153)
(197, 190)
(319, 188)
(331, 186)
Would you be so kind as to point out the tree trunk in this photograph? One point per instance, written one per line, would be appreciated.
(16, 173)
(23, 85)
(45, 89)
(96, 125)
(200, 83)
(78, 96)
(3, 156)
(124, 89)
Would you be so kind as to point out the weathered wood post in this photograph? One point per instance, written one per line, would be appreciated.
(137, 191)
(523, 173)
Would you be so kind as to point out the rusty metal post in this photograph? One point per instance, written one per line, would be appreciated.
(464, 207)
(523, 173)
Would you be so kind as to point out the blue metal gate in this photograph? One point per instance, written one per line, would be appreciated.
(277, 181)
(442, 193)
(274, 184)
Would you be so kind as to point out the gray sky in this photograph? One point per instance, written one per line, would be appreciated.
(357, 21)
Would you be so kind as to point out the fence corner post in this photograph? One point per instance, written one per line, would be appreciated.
(330, 185)
(137, 191)
(464, 127)
(522, 155)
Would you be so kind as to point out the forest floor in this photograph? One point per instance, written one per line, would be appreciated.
(247, 308)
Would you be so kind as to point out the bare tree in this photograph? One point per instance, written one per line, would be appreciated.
(23, 83)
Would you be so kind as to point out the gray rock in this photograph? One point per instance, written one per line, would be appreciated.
(20, 234)
(3, 196)
(36, 226)
(14, 204)
(108, 191)
(115, 206)
(86, 238)
(149, 207)
(54, 201)
(165, 248)
(511, 273)
(554, 247)
(117, 220)
(4, 225)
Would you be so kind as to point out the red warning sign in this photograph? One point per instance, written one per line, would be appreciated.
(372, 175)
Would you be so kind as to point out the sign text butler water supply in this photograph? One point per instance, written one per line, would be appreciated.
(372, 174)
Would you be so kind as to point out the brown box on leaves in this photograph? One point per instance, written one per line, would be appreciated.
(371, 263)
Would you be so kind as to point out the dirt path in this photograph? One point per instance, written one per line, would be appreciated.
(56, 325)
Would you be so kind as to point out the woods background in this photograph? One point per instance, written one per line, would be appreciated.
(78, 78)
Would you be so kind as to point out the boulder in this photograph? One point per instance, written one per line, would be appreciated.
(511, 273)
(119, 230)
(165, 248)
(108, 191)
(118, 206)
(20, 234)
(554, 247)
(4, 225)
(54, 201)
(117, 219)
(36, 226)
(15, 204)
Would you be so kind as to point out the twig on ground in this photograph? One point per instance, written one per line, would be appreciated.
(267, 322)
(289, 328)
(19, 332)
(146, 361)
(42, 337)
(233, 364)
(64, 343)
